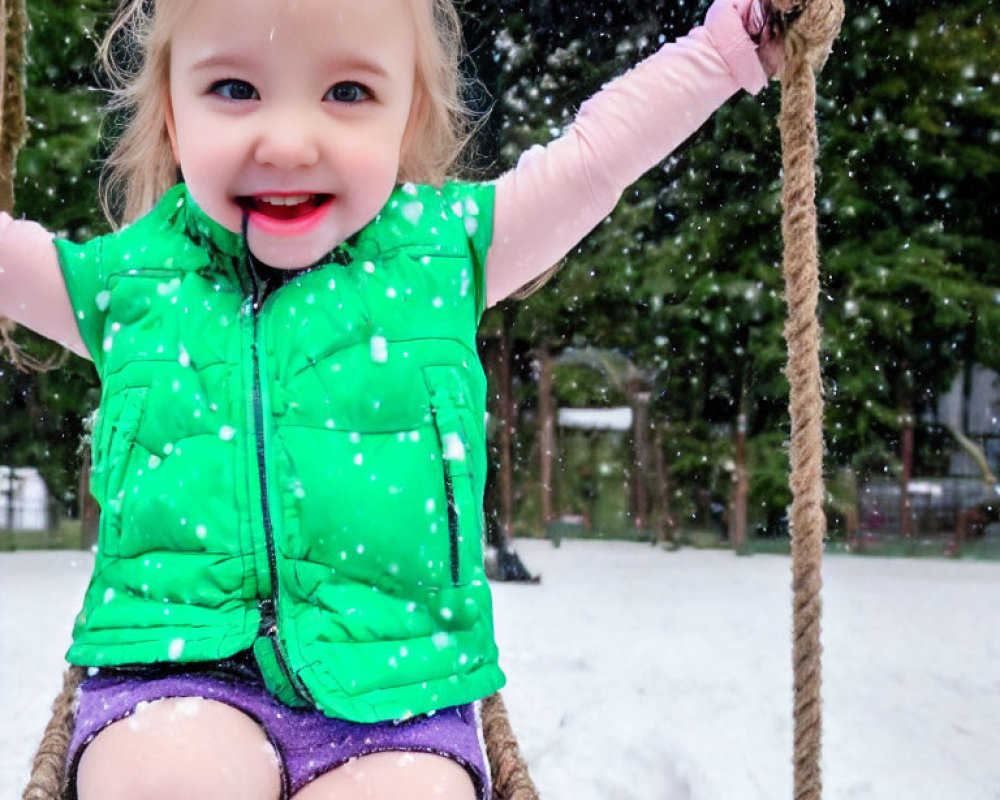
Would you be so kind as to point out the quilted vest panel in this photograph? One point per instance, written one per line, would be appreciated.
(300, 474)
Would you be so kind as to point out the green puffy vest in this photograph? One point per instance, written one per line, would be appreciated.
(301, 473)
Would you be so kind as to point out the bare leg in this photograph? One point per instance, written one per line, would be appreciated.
(393, 776)
(180, 748)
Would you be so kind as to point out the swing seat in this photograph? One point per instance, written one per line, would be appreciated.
(48, 772)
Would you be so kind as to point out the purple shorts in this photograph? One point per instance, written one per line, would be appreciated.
(307, 742)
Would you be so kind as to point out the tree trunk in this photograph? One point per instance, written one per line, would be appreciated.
(34, 406)
(851, 521)
(10, 492)
(740, 487)
(663, 522)
(906, 457)
(90, 512)
(640, 437)
(507, 565)
(546, 432)
(506, 421)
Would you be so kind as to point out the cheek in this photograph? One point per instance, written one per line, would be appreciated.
(203, 144)
(377, 169)
(202, 174)
(204, 157)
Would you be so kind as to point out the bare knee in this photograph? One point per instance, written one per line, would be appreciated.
(393, 776)
(186, 747)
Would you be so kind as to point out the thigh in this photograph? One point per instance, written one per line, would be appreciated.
(180, 748)
(393, 776)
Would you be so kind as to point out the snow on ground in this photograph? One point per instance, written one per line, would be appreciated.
(640, 673)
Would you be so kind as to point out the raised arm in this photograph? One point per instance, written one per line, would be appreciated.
(558, 193)
(32, 290)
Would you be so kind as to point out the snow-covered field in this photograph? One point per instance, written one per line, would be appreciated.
(640, 673)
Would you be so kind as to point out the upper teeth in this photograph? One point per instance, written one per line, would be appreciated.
(284, 200)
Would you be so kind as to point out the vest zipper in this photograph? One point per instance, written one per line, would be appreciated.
(267, 606)
(449, 490)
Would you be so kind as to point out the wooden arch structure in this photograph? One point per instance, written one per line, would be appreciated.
(810, 27)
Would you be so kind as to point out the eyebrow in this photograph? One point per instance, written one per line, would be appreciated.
(357, 64)
(221, 60)
(337, 63)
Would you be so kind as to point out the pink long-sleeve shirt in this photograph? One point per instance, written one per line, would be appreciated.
(544, 206)
(558, 193)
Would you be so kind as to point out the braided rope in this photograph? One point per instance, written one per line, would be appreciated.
(511, 780)
(807, 46)
(13, 26)
(48, 770)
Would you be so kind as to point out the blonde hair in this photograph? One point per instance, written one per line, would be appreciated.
(441, 124)
(135, 55)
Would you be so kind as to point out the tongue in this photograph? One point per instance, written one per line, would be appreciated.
(285, 212)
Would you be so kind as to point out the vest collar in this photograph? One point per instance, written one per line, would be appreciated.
(202, 229)
(206, 232)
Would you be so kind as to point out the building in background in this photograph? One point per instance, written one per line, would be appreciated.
(24, 500)
(972, 406)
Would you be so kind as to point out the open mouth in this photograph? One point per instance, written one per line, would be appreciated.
(284, 208)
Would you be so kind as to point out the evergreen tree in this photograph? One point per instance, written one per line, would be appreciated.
(910, 216)
(57, 185)
(683, 278)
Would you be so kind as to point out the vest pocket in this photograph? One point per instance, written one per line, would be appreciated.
(452, 418)
(114, 443)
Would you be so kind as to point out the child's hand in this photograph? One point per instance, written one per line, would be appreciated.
(759, 21)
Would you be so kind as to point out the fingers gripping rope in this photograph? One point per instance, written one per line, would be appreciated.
(809, 28)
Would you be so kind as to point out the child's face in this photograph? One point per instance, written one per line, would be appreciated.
(293, 111)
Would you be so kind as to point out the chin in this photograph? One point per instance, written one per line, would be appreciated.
(293, 253)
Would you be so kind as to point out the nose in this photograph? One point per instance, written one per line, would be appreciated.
(286, 141)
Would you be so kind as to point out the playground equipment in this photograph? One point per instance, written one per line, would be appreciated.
(809, 27)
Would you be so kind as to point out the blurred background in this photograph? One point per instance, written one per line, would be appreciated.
(640, 394)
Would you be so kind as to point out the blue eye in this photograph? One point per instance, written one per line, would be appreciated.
(233, 89)
(349, 92)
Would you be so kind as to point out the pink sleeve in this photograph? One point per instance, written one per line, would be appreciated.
(558, 193)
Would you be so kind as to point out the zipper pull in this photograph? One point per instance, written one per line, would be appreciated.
(257, 293)
(248, 265)
(268, 618)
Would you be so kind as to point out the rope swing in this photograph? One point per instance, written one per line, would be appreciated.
(807, 45)
(48, 770)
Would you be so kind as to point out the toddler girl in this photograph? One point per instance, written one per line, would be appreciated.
(288, 595)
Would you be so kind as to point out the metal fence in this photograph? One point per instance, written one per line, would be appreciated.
(944, 513)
